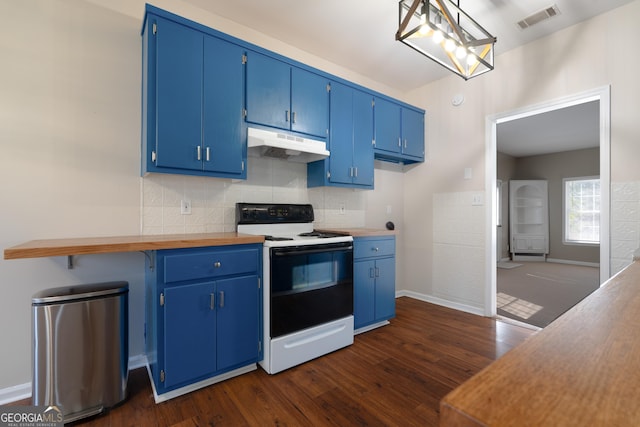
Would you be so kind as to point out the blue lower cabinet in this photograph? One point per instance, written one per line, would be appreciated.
(374, 280)
(203, 315)
(189, 333)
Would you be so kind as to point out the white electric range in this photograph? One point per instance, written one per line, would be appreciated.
(307, 283)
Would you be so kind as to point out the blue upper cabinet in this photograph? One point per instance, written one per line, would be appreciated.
(412, 134)
(387, 126)
(268, 91)
(286, 97)
(192, 102)
(399, 132)
(309, 103)
(202, 89)
(179, 95)
(350, 141)
(224, 142)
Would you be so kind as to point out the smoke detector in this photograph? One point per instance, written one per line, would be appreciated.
(543, 15)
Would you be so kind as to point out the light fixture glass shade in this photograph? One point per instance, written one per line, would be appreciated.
(421, 24)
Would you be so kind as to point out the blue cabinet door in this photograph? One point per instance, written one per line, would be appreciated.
(412, 133)
(374, 280)
(223, 139)
(341, 135)
(350, 137)
(363, 138)
(238, 322)
(364, 293)
(385, 300)
(309, 103)
(179, 95)
(387, 126)
(268, 83)
(189, 333)
(286, 97)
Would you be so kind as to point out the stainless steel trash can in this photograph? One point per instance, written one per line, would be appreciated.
(81, 348)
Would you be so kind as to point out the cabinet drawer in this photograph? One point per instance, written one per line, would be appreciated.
(200, 265)
(373, 247)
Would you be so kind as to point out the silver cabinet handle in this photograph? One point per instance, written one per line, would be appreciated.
(371, 273)
(199, 152)
(212, 301)
(287, 115)
(405, 143)
(399, 142)
(356, 172)
(293, 117)
(377, 272)
(217, 264)
(221, 299)
(207, 154)
(375, 249)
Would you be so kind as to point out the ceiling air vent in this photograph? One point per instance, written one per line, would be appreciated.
(537, 17)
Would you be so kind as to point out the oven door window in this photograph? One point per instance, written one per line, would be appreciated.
(310, 285)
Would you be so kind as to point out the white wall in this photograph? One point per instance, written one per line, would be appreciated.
(70, 85)
(69, 154)
(583, 57)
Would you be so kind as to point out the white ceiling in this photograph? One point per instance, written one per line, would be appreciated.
(360, 34)
(566, 129)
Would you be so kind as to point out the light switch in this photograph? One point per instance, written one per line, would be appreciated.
(477, 200)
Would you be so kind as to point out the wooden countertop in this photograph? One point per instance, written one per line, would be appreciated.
(101, 245)
(581, 370)
(361, 232)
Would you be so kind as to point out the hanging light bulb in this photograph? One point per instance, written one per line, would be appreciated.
(449, 45)
(471, 60)
(461, 52)
(438, 37)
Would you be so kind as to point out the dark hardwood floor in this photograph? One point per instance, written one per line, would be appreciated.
(394, 375)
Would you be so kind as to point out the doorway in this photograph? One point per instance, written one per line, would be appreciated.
(602, 96)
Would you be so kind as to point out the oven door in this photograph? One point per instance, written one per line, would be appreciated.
(310, 285)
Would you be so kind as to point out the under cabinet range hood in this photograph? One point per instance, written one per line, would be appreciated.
(268, 143)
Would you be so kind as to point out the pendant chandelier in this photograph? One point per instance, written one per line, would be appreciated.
(443, 32)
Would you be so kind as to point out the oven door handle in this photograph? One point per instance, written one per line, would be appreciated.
(295, 251)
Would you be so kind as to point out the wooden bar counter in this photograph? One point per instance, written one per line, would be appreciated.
(581, 370)
(102, 245)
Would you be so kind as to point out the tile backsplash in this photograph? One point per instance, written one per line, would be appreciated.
(213, 200)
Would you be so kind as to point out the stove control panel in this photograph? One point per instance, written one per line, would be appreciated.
(273, 213)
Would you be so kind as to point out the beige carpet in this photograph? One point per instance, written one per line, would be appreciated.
(539, 292)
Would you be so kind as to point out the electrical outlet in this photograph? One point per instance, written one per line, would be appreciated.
(342, 209)
(185, 207)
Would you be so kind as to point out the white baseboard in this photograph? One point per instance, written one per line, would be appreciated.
(526, 257)
(571, 262)
(443, 302)
(196, 386)
(14, 393)
(23, 391)
(370, 327)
